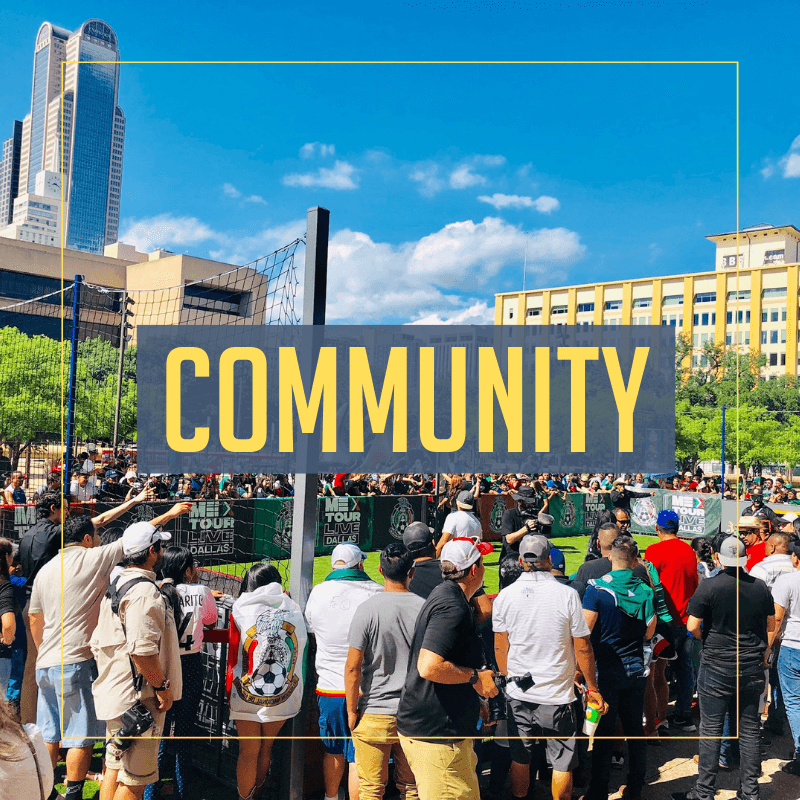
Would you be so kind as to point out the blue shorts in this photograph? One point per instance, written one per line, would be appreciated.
(333, 727)
(80, 725)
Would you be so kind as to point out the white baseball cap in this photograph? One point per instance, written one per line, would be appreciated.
(463, 553)
(140, 536)
(348, 554)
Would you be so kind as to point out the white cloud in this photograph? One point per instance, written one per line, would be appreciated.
(427, 176)
(463, 177)
(479, 313)
(490, 161)
(172, 232)
(342, 176)
(543, 204)
(375, 281)
(309, 149)
(229, 190)
(791, 165)
(768, 171)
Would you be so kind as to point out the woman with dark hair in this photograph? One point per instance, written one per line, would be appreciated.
(25, 768)
(195, 609)
(706, 568)
(8, 616)
(266, 667)
(593, 548)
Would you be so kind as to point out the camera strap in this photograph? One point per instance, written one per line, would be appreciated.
(115, 595)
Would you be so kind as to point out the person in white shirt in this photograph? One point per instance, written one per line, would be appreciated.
(541, 634)
(778, 560)
(329, 611)
(25, 768)
(180, 581)
(81, 488)
(461, 523)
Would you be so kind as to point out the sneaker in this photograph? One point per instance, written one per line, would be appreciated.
(683, 724)
(617, 761)
(662, 727)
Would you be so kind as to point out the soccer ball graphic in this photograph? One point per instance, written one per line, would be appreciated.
(269, 679)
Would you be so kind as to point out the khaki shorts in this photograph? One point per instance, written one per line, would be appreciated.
(138, 765)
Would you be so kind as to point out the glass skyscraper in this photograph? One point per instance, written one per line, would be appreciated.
(90, 156)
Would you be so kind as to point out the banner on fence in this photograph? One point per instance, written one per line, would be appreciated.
(343, 520)
(700, 514)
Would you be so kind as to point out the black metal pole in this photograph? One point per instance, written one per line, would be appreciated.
(73, 366)
(304, 517)
(122, 341)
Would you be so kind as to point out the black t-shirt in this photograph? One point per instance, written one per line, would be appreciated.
(762, 512)
(511, 522)
(38, 546)
(445, 626)
(715, 603)
(7, 606)
(427, 576)
(599, 567)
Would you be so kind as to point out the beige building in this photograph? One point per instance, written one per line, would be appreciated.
(167, 289)
(755, 309)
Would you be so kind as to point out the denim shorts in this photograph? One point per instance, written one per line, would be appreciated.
(79, 723)
(333, 727)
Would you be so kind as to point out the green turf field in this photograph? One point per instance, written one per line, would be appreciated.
(573, 547)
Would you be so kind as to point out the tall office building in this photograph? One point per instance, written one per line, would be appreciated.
(9, 173)
(90, 156)
(754, 310)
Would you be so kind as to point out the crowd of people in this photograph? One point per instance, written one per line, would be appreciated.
(424, 669)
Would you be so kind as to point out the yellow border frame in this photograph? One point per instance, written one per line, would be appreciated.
(389, 63)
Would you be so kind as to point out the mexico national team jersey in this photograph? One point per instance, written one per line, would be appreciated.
(198, 608)
(265, 656)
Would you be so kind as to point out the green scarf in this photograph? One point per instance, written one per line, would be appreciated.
(633, 597)
(348, 575)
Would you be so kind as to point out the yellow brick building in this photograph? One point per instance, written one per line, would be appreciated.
(755, 309)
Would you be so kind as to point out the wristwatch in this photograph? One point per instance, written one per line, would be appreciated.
(473, 678)
(164, 686)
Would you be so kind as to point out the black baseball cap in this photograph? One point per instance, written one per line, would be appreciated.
(417, 536)
(525, 493)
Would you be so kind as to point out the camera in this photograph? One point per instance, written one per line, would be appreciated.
(135, 721)
(497, 704)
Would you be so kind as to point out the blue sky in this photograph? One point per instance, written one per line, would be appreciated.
(440, 178)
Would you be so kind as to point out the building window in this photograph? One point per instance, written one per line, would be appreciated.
(695, 319)
(704, 319)
(763, 337)
(773, 315)
(673, 300)
(783, 336)
(706, 297)
(774, 256)
(783, 359)
(585, 307)
(511, 315)
(783, 315)
(556, 310)
(613, 305)
(764, 315)
(773, 337)
(743, 295)
(213, 299)
(728, 338)
(643, 302)
(730, 261)
(534, 312)
(773, 359)
(773, 293)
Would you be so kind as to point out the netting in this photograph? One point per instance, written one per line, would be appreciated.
(37, 336)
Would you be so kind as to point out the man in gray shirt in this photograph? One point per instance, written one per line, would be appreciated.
(377, 661)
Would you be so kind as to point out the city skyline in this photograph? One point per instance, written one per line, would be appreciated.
(89, 159)
(443, 180)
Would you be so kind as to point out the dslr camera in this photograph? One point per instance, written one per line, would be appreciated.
(135, 721)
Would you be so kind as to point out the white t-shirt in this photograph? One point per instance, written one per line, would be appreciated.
(329, 612)
(18, 767)
(772, 567)
(79, 492)
(199, 608)
(541, 617)
(463, 524)
(786, 593)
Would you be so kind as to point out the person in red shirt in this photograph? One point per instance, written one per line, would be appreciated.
(755, 541)
(676, 565)
(339, 483)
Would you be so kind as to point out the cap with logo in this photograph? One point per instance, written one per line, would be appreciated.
(465, 500)
(668, 519)
(558, 559)
(140, 536)
(417, 536)
(534, 547)
(348, 554)
(732, 552)
(463, 553)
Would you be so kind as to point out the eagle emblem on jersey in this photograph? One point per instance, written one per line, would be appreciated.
(269, 660)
